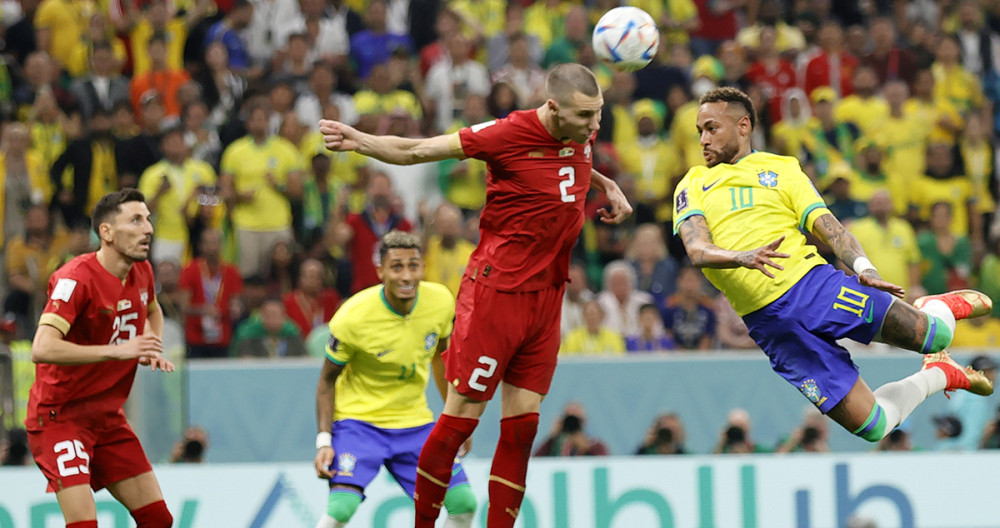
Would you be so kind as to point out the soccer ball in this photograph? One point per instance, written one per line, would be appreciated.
(626, 37)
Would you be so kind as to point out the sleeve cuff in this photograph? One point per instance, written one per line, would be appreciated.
(809, 210)
(56, 321)
(685, 216)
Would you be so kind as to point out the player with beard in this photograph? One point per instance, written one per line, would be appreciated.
(740, 220)
(101, 321)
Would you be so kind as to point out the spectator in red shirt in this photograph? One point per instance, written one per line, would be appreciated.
(717, 22)
(772, 73)
(833, 66)
(360, 233)
(212, 289)
(311, 303)
(889, 61)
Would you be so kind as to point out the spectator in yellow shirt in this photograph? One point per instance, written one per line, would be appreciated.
(260, 174)
(903, 135)
(944, 182)
(447, 253)
(890, 243)
(169, 185)
(936, 114)
(864, 107)
(592, 338)
(952, 82)
(651, 160)
(60, 25)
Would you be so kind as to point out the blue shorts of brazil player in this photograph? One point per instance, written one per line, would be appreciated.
(799, 332)
(361, 449)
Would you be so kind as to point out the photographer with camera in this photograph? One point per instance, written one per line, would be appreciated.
(809, 437)
(735, 435)
(568, 437)
(664, 437)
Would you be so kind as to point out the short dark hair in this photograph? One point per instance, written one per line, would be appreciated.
(565, 79)
(111, 204)
(728, 94)
(397, 240)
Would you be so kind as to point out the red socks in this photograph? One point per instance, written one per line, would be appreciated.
(434, 467)
(83, 524)
(153, 515)
(510, 466)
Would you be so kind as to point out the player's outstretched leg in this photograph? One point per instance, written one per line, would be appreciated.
(965, 378)
(510, 467)
(155, 515)
(434, 466)
(962, 303)
(461, 505)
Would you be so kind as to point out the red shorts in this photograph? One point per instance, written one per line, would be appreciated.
(74, 452)
(508, 336)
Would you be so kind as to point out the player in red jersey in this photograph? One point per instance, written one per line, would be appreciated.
(508, 308)
(100, 322)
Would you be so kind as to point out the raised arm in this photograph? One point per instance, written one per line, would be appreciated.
(849, 250)
(50, 346)
(704, 253)
(391, 149)
(620, 208)
(324, 417)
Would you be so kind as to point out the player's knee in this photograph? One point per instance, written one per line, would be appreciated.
(874, 427)
(460, 500)
(938, 337)
(155, 515)
(342, 504)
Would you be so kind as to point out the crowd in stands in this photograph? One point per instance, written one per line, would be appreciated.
(210, 108)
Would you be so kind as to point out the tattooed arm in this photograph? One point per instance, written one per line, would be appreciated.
(705, 254)
(848, 249)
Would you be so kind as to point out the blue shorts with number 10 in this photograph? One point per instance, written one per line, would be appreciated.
(799, 332)
(361, 449)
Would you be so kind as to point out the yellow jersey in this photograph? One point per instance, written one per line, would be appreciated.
(169, 221)
(446, 266)
(249, 163)
(654, 165)
(904, 141)
(748, 205)
(925, 191)
(866, 114)
(892, 248)
(387, 355)
(580, 342)
(67, 21)
(176, 35)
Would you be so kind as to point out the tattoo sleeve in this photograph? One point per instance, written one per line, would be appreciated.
(834, 234)
(702, 250)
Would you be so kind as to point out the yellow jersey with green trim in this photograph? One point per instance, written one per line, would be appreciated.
(748, 205)
(387, 355)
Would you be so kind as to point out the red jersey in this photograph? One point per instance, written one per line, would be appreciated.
(773, 81)
(365, 244)
(90, 306)
(219, 289)
(308, 314)
(535, 193)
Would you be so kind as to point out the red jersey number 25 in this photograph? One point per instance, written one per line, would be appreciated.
(123, 328)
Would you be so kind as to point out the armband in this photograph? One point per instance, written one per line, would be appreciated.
(862, 264)
(324, 439)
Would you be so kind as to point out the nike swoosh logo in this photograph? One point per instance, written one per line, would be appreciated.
(382, 353)
(709, 186)
(871, 313)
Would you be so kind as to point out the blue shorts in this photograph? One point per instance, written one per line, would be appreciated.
(361, 449)
(799, 330)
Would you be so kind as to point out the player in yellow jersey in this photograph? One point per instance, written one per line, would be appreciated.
(741, 219)
(371, 393)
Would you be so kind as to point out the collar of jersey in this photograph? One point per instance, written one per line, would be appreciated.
(752, 152)
(416, 297)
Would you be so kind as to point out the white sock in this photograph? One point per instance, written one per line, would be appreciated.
(940, 310)
(461, 520)
(899, 398)
(329, 522)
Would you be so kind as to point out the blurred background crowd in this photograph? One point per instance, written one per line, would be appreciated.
(210, 108)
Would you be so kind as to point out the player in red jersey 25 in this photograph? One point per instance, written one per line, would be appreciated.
(101, 321)
(508, 308)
